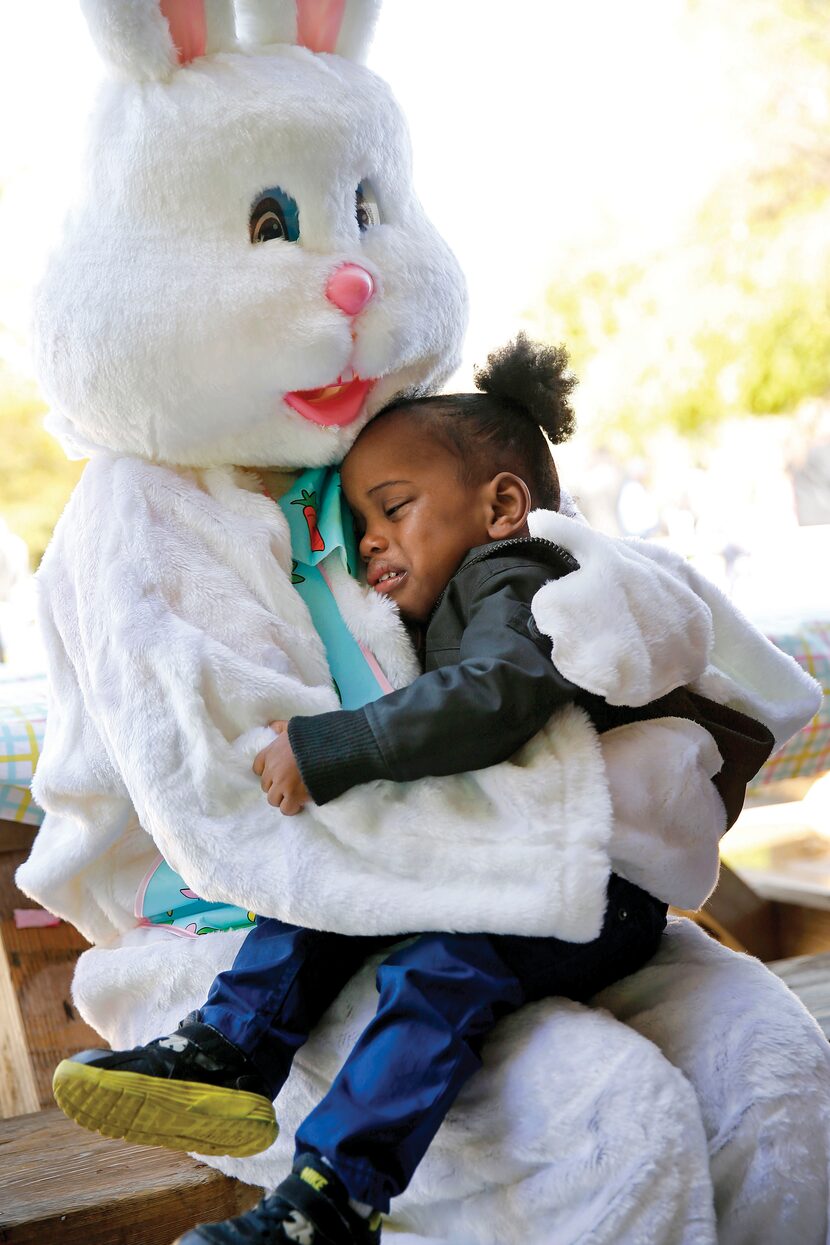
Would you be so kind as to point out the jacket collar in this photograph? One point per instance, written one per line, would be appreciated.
(545, 550)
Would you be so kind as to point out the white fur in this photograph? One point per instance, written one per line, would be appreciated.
(263, 22)
(577, 1128)
(184, 354)
(133, 38)
(644, 632)
(745, 669)
(357, 29)
(174, 635)
(760, 1067)
(194, 613)
(668, 816)
(169, 650)
(632, 623)
(221, 26)
(375, 622)
(662, 624)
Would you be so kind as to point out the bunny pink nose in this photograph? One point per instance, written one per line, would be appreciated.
(350, 288)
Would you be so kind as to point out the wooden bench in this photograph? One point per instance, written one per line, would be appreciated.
(38, 1022)
(808, 976)
(60, 1183)
(740, 919)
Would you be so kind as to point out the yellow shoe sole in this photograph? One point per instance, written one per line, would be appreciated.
(180, 1115)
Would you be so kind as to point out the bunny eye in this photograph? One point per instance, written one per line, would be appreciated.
(366, 206)
(275, 217)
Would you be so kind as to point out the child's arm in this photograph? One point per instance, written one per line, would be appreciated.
(461, 717)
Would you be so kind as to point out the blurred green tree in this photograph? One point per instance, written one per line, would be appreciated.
(36, 479)
(734, 316)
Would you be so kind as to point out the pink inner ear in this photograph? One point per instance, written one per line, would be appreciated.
(188, 27)
(318, 23)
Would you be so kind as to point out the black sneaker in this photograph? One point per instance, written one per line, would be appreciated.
(192, 1090)
(310, 1207)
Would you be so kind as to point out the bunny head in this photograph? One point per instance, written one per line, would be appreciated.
(249, 276)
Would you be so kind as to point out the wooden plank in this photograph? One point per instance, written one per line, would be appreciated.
(16, 835)
(59, 1182)
(750, 920)
(735, 916)
(42, 962)
(808, 976)
(781, 855)
(803, 930)
(18, 1092)
(711, 926)
(10, 896)
(18, 1083)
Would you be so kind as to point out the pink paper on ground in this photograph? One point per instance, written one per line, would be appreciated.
(34, 918)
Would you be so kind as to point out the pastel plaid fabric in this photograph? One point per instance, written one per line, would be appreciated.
(808, 752)
(22, 724)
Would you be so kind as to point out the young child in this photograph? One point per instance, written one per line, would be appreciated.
(440, 489)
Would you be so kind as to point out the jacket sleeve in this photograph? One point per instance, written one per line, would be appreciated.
(460, 717)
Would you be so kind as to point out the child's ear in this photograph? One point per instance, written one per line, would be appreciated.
(509, 505)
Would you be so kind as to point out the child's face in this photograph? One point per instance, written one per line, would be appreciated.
(415, 516)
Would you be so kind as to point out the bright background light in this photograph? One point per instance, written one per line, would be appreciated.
(539, 126)
(535, 126)
(560, 146)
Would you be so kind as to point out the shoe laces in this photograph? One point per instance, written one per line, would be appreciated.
(275, 1212)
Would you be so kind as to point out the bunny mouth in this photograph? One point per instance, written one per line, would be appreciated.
(333, 405)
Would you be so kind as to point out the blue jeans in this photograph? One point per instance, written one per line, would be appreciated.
(439, 997)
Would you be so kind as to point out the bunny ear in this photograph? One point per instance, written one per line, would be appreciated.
(147, 39)
(262, 22)
(341, 26)
(356, 28)
(219, 19)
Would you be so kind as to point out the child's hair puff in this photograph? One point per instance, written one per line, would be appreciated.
(536, 380)
(522, 399)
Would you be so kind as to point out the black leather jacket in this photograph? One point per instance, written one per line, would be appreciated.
(489, 684)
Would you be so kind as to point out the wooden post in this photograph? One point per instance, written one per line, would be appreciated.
(18, 1092)
(18, 1088)
(38, 1022)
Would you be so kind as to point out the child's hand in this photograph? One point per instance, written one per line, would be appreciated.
(280, 777)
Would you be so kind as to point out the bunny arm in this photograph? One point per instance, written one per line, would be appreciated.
(174, 636)
(647, 632)
(634, 621)
(655, 623)
(188, 637)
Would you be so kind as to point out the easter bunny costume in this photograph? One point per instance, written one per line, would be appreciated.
(248, 278)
